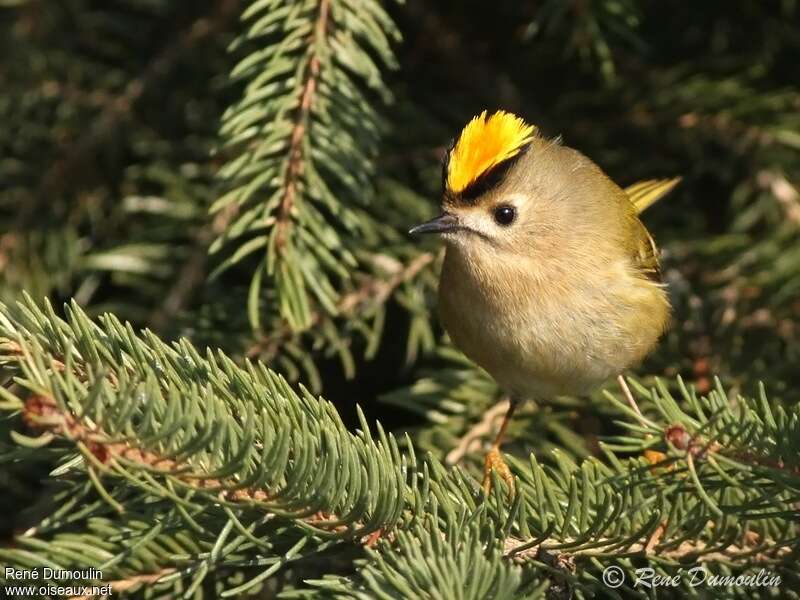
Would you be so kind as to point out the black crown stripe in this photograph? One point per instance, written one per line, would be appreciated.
(490, 178)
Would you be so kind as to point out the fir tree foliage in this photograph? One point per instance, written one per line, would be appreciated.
(186, 433)
(187, 472)
(299, 214)
(303, 140)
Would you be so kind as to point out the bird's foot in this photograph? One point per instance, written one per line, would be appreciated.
(494, 462)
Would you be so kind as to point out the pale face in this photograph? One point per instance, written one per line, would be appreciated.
(536, 209)
(499, 221)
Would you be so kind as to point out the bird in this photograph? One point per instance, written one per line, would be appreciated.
(550, 281)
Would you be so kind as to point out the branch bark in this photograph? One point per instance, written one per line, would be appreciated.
(376, 290)
(294, 166)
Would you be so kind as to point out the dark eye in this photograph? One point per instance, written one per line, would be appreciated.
(505, 214)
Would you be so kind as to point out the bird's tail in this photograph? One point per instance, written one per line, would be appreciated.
(645, 193)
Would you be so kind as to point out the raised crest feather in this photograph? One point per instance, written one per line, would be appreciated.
(486, 141)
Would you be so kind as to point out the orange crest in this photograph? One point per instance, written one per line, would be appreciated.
(486, 141)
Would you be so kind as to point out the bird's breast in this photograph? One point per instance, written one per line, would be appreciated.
(542, 332)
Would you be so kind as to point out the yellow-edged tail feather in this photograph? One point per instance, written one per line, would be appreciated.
(644, 194)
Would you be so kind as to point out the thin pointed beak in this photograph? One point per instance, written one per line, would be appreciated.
(441, 224)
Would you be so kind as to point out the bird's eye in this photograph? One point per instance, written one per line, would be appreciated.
(505, 214)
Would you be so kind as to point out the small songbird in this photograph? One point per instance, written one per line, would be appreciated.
(550, 281)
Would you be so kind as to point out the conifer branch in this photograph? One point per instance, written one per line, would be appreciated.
(220, 448)
(695, 551)
(374, 291)
(304, 137)
(56, 411)
(43, 415)
(302, 123)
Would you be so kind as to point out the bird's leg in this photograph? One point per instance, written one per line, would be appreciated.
(494, 460)
(626, 391)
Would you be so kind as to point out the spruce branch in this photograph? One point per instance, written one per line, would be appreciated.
(199, 440)
(304, 137)
(460, 556)
(264, 479)
(374, 291)
(294, 166)
(57, 410)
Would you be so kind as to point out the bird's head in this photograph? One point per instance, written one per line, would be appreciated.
(487, 196)
(510, 191)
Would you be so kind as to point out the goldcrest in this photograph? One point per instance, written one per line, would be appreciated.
(550, 281)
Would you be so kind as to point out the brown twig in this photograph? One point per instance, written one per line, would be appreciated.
(515, 549)
(484, 428)
(120, 586)
(375, 290)
(192, 274)
(294, 166)
(378, 290)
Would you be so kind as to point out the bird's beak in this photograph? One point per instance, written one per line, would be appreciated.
(441, 224)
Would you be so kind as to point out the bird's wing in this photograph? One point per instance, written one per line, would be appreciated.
(645, 193)
(646, 254)
(642, 195)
